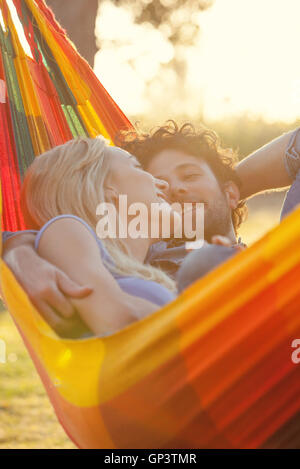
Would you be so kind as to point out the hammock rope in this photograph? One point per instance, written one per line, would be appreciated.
(213, 368)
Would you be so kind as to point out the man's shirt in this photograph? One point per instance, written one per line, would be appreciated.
(169, 255)
(8, 234)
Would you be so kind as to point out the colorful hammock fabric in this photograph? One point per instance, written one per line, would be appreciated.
(213, 368)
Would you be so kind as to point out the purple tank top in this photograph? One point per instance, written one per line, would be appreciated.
(146, 289)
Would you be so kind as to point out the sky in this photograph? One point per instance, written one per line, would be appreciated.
(246, 60)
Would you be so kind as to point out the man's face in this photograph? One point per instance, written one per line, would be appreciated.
(191, 179)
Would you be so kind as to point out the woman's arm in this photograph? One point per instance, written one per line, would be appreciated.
(70, 246)
(265, 168)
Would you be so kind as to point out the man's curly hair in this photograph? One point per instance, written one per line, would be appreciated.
(202, 143)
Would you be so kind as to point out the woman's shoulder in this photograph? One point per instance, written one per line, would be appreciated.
(103, 251)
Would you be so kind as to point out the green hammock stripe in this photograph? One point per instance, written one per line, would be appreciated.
(74, 123)
(66, 96)
(25, 153)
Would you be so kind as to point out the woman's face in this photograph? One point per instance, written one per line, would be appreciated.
(126, 177)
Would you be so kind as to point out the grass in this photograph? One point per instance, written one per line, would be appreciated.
(27, 419)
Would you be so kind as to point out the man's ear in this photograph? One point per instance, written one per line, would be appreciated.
(232, 194)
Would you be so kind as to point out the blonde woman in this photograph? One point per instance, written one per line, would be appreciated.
(60, 195)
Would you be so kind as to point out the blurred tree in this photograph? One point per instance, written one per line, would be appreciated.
(176, 19)
(78, 17)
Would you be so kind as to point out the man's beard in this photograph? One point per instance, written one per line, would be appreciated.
(217, 219)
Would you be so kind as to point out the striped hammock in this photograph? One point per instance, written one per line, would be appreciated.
(211, 369)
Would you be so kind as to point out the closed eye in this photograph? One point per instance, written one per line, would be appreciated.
(192, 176)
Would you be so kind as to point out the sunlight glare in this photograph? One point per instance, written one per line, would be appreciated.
(19, 28)
(246, 61)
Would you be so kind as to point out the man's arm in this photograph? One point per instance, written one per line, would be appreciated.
(109, 308)
(49, 288)
(271, 167)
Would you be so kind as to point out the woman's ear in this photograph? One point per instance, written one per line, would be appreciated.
(112, 195)
(232, 194)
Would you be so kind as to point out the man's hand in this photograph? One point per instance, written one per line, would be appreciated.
(47, 287)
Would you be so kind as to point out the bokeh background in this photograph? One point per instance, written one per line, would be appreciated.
(231, 65)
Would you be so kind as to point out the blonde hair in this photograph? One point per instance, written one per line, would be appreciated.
(70, 179)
